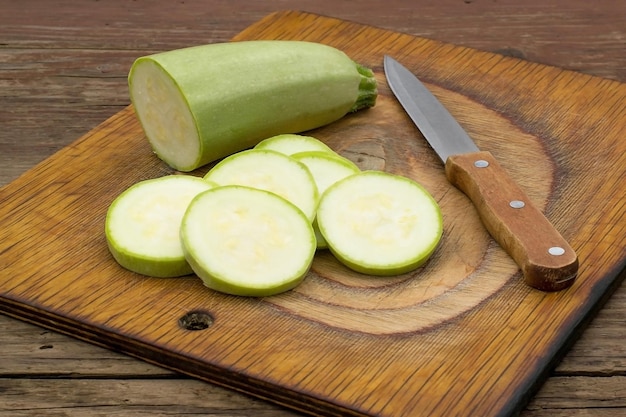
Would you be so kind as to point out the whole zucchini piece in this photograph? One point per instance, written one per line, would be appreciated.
(202, 103)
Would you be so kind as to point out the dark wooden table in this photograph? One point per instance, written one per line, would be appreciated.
(63, 67)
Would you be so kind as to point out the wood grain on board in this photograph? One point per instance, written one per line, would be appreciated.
(463, 333)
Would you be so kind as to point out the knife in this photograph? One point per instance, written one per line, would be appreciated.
(546, 260)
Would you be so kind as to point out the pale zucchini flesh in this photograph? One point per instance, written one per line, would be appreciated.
(142, 225)
(326, 168)
(245, 241)
(199, 104)
(380, 224)
(270, 171)
(291, 143)
(165, 116)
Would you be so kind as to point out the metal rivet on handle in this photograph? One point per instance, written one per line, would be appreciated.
(481, 163)
(556, 251)
(517, 204)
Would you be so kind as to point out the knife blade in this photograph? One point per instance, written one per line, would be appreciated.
(547, 261)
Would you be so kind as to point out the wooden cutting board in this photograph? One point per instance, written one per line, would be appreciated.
(462, 335)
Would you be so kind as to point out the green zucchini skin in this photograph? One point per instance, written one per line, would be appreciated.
(202, 103)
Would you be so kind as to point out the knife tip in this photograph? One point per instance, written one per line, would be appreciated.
(387, 60)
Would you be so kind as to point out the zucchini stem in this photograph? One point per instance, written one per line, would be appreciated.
(368, 91)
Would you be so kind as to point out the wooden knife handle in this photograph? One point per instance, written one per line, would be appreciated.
(545, 258)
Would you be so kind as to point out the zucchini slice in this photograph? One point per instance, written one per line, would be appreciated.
(142, 225)
(326, 168)
(245, 241)
(270, 171)
(290, 143)
(379, 223)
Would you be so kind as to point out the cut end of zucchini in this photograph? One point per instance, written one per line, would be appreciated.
(380, 224)
(142, 225)
(165, 115)
(245, 241)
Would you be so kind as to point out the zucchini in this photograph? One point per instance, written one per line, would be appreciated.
(379, 223)
(202, 103)
(270, 171)
(245, 241)
(327, 168)
(142, 225)
(290, 144)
